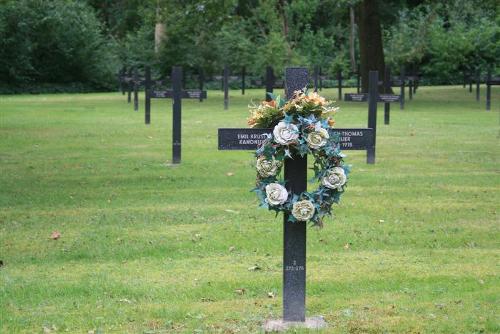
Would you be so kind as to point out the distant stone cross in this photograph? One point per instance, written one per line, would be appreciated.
(294, 238)
(176, 94)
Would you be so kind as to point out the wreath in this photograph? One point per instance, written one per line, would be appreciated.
(303, 125)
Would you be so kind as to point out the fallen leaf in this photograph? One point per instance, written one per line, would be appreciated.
(196, 237)
(150, 137)
(381, 221)
(271, 295)
(55, 235)
(125, 300)
(347, 245)
(232, 248)
(229, 173)
(347, 312)
(240, 291)
(254, 268)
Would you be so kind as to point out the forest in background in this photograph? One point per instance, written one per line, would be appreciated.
(71, 45)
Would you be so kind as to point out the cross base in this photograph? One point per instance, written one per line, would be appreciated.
(282, 325)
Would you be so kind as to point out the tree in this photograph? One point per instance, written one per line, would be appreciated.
(370, 41)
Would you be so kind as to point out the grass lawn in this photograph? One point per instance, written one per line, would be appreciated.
(147, 247)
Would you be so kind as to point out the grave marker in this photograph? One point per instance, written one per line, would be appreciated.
(410, 87)
(129, 85)
(358, 79)
(135, 87)
(387, 90)
(201, 83)
(243, 73)
(176, 94)
(121, 79)
(320, 79)
(225, 84)
(478, 82)
(402, 88)
(269, 82)
(294, 236)
(470, 81)
(316, 78)
(339, 79)
(490, 81)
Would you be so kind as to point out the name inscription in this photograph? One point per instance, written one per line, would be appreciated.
(185, 94)
(251, 139)
(387, 98)
(355, 97)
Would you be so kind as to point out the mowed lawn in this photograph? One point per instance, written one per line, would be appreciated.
(147, 247)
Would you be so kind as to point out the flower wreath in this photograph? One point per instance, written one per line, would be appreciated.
(303, 125)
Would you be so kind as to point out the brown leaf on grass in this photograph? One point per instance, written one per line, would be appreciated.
(55, 235)
(240, 291)
(232, 248)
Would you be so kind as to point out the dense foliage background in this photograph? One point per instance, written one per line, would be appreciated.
(62, 45)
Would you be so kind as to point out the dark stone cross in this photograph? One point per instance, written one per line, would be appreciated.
(316, 78)
(225, 84)
(121, 79)
(387, 90)
(270, 79)
(135, 87)
(153, 93)
(490, 81)
(372, 97)
(478, 83)
(176, 94)
(358, 79)
(243, 73)
(295, 174)
(128, 80)
(339, 79)
(402, 79)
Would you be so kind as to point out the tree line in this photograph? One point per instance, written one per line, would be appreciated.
(62, 45)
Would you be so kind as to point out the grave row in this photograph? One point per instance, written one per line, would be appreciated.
(351, 139)
(131, 82)
(489, 80)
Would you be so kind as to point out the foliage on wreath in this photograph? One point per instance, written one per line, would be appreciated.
(303, 125)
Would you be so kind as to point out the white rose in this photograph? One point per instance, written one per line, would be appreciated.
(276, 194)
(334, 178)
(317, 139)
(285, 134)
(303, 210)
(267, 168)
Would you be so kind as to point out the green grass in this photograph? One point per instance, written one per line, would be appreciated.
(148, 247)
